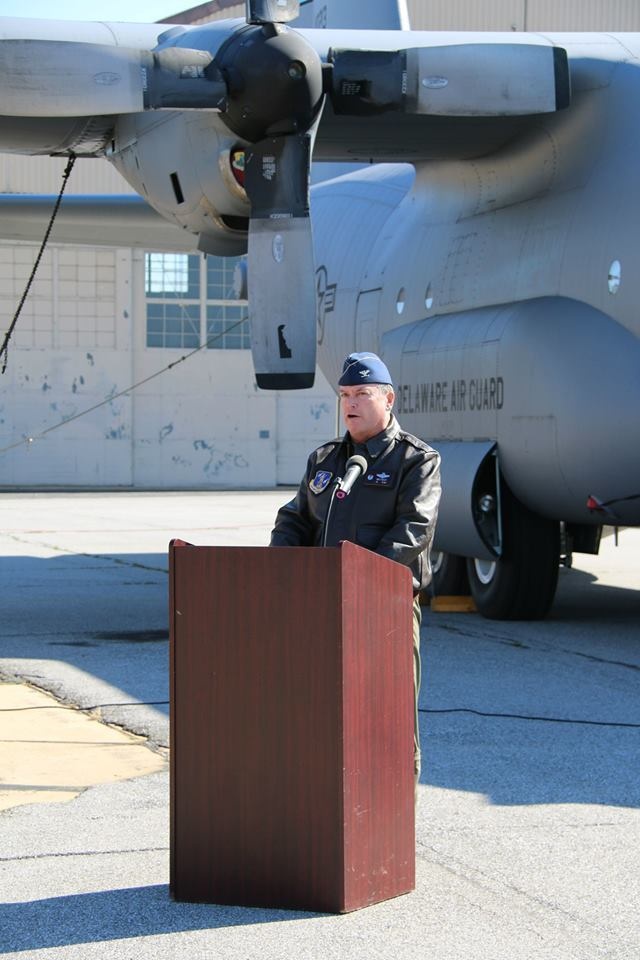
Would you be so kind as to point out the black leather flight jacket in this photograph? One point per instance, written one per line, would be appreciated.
(391, 509)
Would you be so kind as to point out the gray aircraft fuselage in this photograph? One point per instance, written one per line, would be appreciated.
(504, 291)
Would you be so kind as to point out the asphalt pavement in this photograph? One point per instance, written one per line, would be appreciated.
(528, 820)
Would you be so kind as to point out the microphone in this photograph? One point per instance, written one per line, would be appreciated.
(355, 466)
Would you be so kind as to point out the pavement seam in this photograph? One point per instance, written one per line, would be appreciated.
(93, 711)
(569, 925)
(95, 754)
(83, 853)
(89, 556)
(534, 646)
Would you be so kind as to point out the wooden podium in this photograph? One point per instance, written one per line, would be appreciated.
(291, 727)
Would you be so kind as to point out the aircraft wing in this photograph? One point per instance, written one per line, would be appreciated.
(420, 96)
(385, 95)
(252, 105)
(110, 220)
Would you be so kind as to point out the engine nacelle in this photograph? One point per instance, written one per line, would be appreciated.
(181, 164)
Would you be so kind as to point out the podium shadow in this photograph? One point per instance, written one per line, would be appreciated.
(119, 915)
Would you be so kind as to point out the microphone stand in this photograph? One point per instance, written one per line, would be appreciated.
(356, 466)
(325, 529)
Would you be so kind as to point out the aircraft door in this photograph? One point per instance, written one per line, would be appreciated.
(366, 332)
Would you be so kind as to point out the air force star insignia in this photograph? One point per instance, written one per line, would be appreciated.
(321, 481)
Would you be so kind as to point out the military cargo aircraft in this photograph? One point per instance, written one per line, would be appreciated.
(486, 246)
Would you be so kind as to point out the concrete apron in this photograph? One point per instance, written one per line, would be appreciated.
(50, 752)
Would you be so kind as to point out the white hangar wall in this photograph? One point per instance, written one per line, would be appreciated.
(531, 15)
(86, 335)
(569, 15)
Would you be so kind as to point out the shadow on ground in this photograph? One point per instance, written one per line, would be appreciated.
(119, 915)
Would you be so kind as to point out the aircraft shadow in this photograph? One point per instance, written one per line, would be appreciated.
(543, 712)
(581, 597)
(104, 615)
(522, 761)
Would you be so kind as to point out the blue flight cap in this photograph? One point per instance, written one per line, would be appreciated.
(363, 368)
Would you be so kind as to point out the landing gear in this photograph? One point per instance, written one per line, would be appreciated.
(521, 584)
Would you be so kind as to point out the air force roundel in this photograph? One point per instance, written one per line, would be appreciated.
(321, 481)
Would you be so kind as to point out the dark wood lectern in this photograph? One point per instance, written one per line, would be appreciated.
(291, 727)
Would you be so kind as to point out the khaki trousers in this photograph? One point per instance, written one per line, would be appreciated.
(417, 676)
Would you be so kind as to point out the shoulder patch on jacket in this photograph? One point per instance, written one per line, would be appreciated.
(321, 481)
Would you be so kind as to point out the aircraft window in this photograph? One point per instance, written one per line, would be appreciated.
(615, 275)
(428, 297)
(400, 302)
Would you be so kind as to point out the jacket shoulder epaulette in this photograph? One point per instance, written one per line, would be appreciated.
(416, 442)
(323, 451)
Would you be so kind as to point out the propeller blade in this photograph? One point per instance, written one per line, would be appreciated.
(281, 270)
(274, 102)
(58, 78)
(272, 11)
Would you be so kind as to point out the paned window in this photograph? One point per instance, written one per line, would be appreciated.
(173, 325)
(190, 302)
(172, 275)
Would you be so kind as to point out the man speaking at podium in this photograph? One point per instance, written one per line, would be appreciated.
(377, 486)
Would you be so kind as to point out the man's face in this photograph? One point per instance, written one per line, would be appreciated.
(366, 410)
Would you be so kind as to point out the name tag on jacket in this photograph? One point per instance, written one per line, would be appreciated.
(381, 478)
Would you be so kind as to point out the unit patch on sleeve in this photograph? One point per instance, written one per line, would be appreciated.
(378, 479)
(321, 481)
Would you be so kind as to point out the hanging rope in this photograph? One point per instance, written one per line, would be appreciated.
(123, 393)
(4, 350)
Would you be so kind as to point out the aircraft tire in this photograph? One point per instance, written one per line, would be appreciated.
(449, 575)
(521, 584)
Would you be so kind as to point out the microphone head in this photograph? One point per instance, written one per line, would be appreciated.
(355, 465)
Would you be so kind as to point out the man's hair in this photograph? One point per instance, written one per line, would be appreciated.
(384, 388)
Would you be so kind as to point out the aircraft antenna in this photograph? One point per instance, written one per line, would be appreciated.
(4, 350)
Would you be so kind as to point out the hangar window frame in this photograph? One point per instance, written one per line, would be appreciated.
(190, 303)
